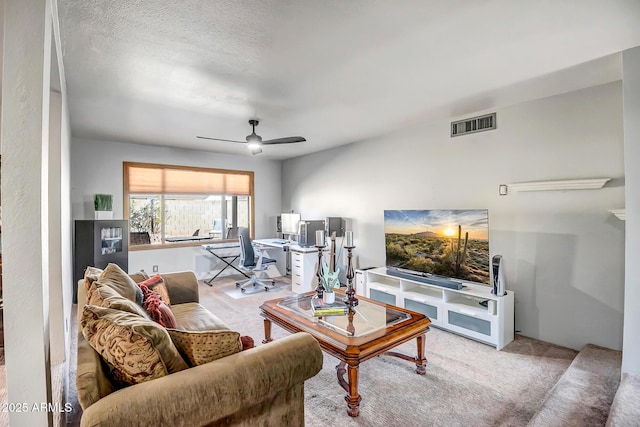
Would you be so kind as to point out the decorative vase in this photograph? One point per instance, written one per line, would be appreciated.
(329, 297)
(104, 214)
(103, 204)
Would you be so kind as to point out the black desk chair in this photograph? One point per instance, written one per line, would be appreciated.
(252, 264)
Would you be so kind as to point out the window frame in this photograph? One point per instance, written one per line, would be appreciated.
(167, 245)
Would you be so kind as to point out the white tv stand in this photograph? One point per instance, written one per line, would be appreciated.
(455, 310)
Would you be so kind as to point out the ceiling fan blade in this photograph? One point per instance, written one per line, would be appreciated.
(220, 139)
(287, 140)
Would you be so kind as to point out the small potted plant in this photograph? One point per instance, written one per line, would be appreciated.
(103, 204)
(329, 282)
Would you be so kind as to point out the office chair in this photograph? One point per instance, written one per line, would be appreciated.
(232, 233)
(216, 231)
(250, 263)
(140, 238)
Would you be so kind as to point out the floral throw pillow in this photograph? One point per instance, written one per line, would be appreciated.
(135, 349)
(91, 274)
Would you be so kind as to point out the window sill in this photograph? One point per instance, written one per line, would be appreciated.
(171, 245)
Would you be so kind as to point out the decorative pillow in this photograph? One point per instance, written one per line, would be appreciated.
(247, 342)
(200, 347)
(140, 276)
(157, 309)
(135, 349)
(105, 296)
(157, 285)
(91, 274)
(167, 319)
(115, 277)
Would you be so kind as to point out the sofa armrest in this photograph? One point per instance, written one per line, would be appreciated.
(213, 391)
(182, 287)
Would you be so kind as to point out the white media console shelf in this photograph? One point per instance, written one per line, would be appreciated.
(455, 310)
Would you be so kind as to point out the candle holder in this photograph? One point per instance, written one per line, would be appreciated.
(351, 299)
(320, 287)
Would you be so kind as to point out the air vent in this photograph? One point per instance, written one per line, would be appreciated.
(473, 125)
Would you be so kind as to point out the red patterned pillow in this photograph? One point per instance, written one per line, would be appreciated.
(157, 309)
(156, 284)
(247, 342)
(167, 319)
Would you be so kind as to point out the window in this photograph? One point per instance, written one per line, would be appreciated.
(179, 205)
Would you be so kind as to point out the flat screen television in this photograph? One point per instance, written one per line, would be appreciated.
(445, 243)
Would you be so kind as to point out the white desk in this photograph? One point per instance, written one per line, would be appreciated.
(303, 260)
(214, 249)
(273, 243)
(304, 268)
(277, 249)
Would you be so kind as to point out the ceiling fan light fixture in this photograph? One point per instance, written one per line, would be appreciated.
(254, 142)
(254, 145)
(254, 139)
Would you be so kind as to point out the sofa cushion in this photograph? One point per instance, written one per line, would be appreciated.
(200, 347)
(157, 285)
(191, 316)
(115, 277)
(136, 349)
(104, 295)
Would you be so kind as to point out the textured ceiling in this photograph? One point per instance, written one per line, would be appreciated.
(334, 71)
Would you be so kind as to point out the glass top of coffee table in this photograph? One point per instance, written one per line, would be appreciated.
(361, 320)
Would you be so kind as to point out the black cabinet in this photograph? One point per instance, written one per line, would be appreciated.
(98, 243)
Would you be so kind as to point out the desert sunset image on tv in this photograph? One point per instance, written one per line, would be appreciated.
(450, 243)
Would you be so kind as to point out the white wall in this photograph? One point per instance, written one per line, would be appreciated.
(631, 89)
(96, 167)
(54, 252)
(25, 199)
(563, 251)
(66, 235)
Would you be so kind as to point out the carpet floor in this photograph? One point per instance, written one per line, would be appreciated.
(467, 383)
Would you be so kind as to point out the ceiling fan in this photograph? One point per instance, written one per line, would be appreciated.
(254, 142)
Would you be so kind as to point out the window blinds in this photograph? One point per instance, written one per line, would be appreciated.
(141, 178)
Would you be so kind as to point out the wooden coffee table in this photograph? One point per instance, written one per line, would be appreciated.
(370, 329)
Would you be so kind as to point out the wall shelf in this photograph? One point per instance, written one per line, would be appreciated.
(568, 184)
(620, 213)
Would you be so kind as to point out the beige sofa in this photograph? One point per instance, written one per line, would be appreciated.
(259, 386)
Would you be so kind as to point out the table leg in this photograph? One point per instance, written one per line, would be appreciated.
(421, 361)
(227, 264)
(350, 386)
(267, 331)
